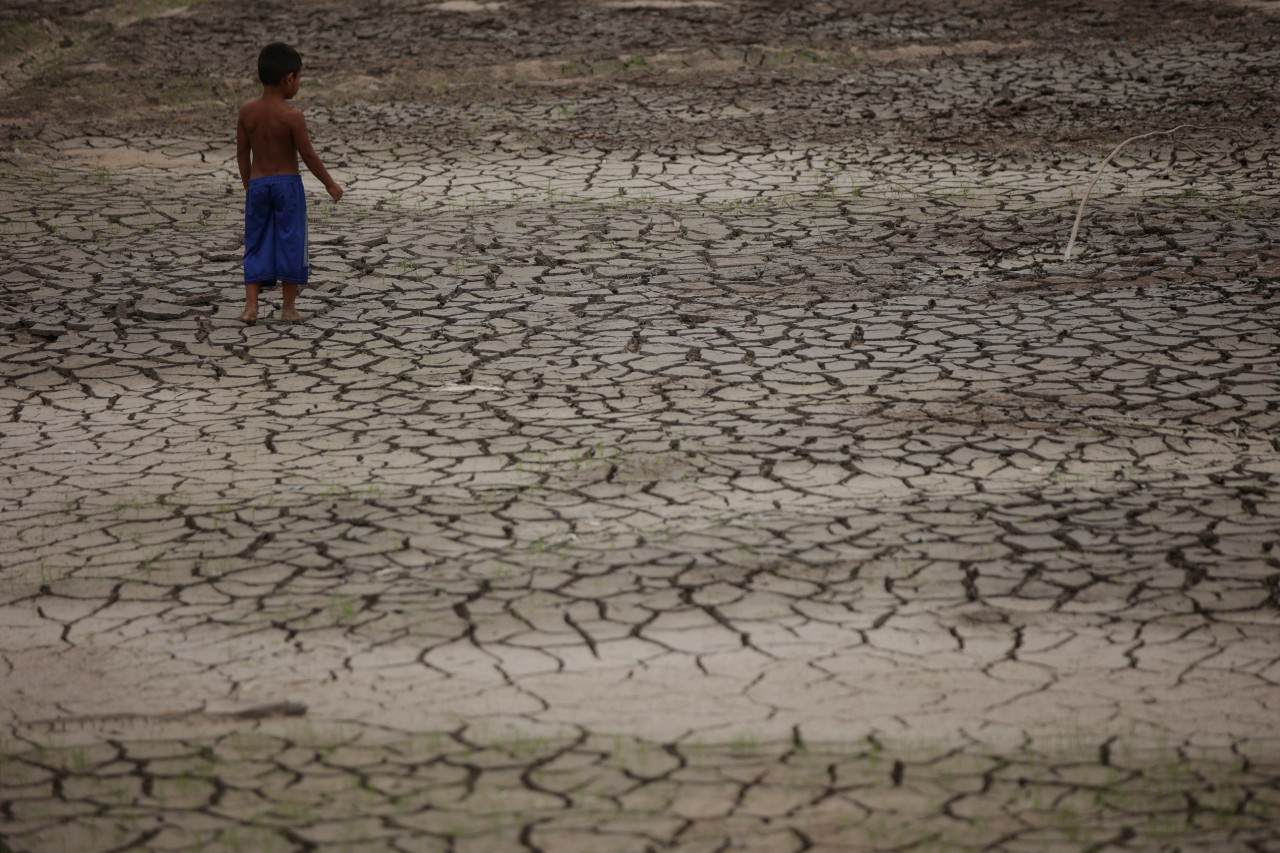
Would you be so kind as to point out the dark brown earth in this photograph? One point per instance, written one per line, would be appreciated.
(993, 76)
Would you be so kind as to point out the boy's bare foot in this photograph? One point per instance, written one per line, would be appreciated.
(289, 293)
(250, 313)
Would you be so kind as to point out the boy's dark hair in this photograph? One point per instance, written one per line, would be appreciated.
(276, 60)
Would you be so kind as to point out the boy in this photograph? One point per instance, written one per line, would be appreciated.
(270, 136)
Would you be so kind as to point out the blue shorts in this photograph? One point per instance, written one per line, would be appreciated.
(275, 231)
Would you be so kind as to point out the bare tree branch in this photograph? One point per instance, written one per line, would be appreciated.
(1079, 213)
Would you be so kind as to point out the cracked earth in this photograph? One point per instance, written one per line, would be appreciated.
(698, 441)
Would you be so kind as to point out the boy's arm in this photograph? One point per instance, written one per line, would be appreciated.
(242, 151)
(302, 141)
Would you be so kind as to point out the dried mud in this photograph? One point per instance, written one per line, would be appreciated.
(698, 440)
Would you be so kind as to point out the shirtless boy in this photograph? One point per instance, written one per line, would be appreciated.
(270, 136)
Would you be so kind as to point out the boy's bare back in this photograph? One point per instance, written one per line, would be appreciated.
(271, 136)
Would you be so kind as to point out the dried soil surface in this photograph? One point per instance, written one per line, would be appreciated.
(981, 75)
(698, 441)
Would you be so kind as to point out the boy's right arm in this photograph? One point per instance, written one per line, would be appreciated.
(302, 141)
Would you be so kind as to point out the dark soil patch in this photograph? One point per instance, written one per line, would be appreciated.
(996, 76)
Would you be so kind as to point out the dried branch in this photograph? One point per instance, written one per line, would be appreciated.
(1079, 213)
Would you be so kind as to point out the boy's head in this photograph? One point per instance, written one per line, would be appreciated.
(276, 62)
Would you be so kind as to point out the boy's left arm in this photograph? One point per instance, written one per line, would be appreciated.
(242, 152)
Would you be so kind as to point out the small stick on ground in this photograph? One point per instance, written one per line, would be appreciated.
(261, 711)
(1066, 256)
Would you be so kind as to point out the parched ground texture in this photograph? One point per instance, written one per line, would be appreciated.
(699, 441)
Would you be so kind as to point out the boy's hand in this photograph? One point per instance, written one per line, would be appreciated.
(335, 191)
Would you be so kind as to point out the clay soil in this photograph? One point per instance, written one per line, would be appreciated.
(991, 75)
(698, 440)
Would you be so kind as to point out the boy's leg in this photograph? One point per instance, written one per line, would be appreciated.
(290, 227)
(250, 312)
(289, 313)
